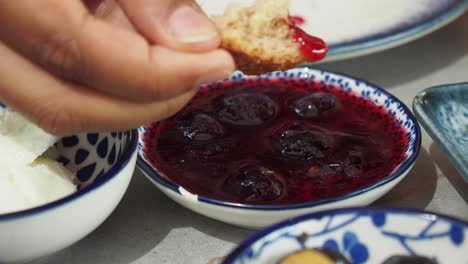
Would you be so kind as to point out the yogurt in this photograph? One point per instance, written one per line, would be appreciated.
(27, 179)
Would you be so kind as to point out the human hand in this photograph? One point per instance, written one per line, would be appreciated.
(96, 65)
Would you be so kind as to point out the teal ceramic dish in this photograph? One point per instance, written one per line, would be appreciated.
(443, 112)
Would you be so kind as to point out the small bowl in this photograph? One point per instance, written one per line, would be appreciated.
(259, 216)
(362, 235)
(104, 164)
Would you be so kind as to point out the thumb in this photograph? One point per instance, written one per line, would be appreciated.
(176, 24)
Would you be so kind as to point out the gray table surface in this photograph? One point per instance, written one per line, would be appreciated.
(148, 227)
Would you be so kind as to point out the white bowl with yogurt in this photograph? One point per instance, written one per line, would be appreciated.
(45, 205)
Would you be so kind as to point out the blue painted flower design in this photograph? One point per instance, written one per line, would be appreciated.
(354, 249)
(455, 234)
(379, 219)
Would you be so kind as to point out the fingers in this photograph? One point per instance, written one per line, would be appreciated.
(64, 108)
(100, 8)
(110, 11)
(113, 13)
(178, 24)
(64, 37)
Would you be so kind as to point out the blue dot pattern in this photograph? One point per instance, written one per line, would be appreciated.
(70, 141)
(84, 173)
(111, 157)
(378, 219)
(456, 235)
(81, 155)
(102, 148)
(90, 155)
(92, 138)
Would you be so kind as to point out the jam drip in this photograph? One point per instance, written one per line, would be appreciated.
(313, 48)
(297, 20)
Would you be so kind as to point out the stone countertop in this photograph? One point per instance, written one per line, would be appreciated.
(148, 227)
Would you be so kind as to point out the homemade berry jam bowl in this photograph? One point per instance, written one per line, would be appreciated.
(360, 235)
(254, 150)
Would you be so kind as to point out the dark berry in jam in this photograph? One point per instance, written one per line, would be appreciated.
(300, 142)
(253, 143)
(210, 150)
(247, 109)
(254, 183)
(313, 105)
(200, 127)
(409, 260)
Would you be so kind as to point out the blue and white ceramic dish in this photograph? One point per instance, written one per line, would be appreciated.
(360, 27)
(259, 216)
(362, 235)
(443, 111)
(104, 164)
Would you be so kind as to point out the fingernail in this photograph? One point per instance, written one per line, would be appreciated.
(212, 77)
(191, 26)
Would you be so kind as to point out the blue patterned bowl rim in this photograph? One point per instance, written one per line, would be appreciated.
(401, 33)
(94, 186)
(231, 258)
(151, 172)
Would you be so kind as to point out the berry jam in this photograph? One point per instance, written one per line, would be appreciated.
(276, 142)
(297, 20)
(313, 48)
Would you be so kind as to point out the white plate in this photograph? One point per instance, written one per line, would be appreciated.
(354, 28)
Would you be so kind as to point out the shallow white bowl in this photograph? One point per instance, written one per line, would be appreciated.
(362, 235)
(259, 216)
(104, 164)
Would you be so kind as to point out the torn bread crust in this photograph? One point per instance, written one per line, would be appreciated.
(251, 65)
(260, 37)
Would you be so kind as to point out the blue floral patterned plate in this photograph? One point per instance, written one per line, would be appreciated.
(443, 111)
(362, 235)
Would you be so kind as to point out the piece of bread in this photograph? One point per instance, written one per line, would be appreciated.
(260, 37)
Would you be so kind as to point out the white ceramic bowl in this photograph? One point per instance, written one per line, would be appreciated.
(259, 216)
(104, 163)
(362, 235)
